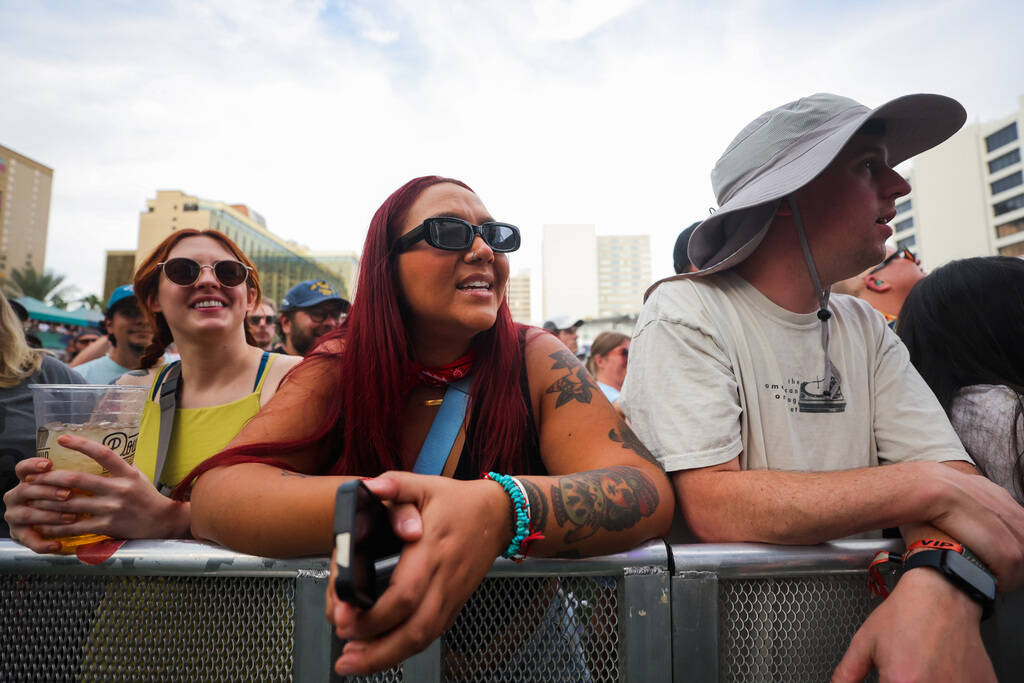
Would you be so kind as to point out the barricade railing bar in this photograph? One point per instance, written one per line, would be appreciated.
(185, 610)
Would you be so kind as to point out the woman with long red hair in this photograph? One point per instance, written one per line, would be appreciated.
(429, 311)
(195, 288)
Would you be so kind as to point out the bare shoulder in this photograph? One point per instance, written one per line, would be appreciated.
(280, 367)
(556, 372)
(137, 378)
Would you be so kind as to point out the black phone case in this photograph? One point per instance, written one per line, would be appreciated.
(363, 537)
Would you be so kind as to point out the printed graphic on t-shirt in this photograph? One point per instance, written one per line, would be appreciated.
(802, 396)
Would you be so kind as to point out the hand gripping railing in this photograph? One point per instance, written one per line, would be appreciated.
(181, 610)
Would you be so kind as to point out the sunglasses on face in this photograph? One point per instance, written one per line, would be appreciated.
(256, 320)
(318, 315)
(85, 341)
(455, 234)
(898, 254)
(185, 271)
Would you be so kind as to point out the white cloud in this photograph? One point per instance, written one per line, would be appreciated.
(609, 112)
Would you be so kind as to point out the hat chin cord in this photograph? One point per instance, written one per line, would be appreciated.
(832, 380)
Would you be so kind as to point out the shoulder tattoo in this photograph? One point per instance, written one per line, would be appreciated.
(575, 384)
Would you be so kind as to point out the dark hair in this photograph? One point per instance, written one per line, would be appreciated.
(360, 431)
(964, 325)
(147, 282)
(680, 257)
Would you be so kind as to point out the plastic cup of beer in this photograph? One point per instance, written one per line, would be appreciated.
(107, 414)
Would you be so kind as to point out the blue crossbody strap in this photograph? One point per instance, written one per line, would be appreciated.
(438, 444)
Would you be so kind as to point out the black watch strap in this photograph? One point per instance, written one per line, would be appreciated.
(977, 583)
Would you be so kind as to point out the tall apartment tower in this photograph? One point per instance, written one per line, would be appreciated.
(281, 264)
(569, 256)
(623, 273)
(25, 187)
(968, 195)
(518, 294)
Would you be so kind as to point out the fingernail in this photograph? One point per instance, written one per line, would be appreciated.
(30, 478)
(63, 494)
(411, 526)
(352, 647)
(68, 517)
(343, 668)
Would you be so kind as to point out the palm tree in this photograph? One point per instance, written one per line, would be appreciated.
(92, 302)
(48, 287)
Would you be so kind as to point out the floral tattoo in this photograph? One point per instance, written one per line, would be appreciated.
(575, 385)
(631, 442)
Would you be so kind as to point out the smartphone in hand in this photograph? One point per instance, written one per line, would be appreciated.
(366, 548)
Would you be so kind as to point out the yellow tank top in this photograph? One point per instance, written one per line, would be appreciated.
(198, 433)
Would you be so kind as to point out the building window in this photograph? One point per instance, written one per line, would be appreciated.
(1001, 137)
(1015, 249)
(1004, 161)
(1011, 228)
(1004, 184)
(905, 224)
(904, 206)
(907, 243)
(1006, 206)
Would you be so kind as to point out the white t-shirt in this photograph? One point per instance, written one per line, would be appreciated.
(717, 370)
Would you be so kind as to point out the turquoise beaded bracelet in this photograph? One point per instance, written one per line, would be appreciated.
(520, 514)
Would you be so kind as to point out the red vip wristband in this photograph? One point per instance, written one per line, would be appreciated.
(933, 544)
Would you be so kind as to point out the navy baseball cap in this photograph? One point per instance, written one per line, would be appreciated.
(310, 293)
(118, 295)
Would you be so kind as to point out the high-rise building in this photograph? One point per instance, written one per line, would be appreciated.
(281, 264)
(518, 293)
(25, 187)
(623, 273)
(968, 195)
(569, 257)
(594, 277)
(120, 271)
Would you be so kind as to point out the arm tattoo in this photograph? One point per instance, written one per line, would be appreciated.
(614, 499)
(575, 385)
(137, 373)
(287, 473)
(538, 504)
(631, 442)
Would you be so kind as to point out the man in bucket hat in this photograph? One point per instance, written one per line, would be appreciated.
(770, 402)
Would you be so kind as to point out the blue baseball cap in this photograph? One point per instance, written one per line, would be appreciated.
(118, 295)
(310, 293)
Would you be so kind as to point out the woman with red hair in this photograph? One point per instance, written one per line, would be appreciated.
(195, 288)
(429, 311)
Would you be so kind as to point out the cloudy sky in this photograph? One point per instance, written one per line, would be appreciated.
(609, 112)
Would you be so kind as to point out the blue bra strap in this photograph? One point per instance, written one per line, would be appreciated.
(438, 444)
(259, 372)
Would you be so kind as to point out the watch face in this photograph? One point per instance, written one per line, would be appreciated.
(981, 581)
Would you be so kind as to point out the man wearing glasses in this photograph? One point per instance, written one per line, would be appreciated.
(261, 323)
(309, 310)
(886, 285)
(129, 334)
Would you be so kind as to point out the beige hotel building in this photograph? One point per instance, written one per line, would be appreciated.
(25, 188)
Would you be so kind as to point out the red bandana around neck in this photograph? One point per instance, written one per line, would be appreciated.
(442, 376)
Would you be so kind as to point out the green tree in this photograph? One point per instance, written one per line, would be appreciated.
(92, 302)
(48, 287)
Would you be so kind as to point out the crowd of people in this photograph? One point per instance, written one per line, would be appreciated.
(753, 400)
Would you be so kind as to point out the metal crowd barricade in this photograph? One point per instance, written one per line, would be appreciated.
(182, 610)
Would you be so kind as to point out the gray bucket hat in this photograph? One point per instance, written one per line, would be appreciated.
(784, 149)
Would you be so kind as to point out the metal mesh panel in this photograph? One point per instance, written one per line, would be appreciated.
(789, 629)
(146, 628)
(536, 629)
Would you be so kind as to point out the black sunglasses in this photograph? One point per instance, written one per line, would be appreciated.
(903, 253)
(455, 234)
(257, 319)
(185, 271)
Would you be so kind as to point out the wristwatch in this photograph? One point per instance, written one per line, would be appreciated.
(977, 583)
